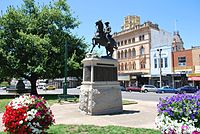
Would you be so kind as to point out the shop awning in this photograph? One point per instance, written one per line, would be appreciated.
(194, 78)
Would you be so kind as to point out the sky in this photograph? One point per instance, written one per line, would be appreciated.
(166, 13)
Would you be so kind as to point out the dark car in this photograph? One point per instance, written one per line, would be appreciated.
(133, 88)
(187, 89)
(166, 89)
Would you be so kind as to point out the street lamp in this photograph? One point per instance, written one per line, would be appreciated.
(160, 68)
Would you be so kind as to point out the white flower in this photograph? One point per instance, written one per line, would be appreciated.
(21, 122)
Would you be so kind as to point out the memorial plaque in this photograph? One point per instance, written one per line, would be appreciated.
(105, 73)
(87, 75)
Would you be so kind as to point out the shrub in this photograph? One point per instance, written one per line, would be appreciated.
(179, 114)
(27, 114)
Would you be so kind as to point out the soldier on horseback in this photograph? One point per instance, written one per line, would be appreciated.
(104, 38)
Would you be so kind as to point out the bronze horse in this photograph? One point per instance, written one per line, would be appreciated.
(101, 40)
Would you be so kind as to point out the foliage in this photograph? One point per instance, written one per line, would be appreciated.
(4, 84)
(179, 114)
(27, 114)
(32, 40)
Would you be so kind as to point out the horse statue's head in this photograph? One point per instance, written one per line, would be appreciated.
(99, 25)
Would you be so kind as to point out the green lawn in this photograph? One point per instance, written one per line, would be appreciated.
(90, 129)
(51, 99)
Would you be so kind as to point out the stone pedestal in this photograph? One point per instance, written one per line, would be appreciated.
(100, 92)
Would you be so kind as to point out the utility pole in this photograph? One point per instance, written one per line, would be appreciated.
(160, 68)
(65, 71)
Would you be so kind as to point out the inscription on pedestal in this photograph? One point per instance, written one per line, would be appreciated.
(105, 73)
(87, 75)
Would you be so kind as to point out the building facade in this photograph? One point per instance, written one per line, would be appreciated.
(182, 66)
(161, 58)
(133, 54)
(194, 78)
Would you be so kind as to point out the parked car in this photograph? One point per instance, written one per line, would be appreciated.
(122, 88)
(50, 87)
(187, 89)
(149, 88)
(167, 89)
(133, 88)
(3, 88)
(78, 87)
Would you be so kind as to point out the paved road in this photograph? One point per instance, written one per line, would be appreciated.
(150, 96)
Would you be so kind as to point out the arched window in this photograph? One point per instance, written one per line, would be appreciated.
(122, 54)
(129, 53)
(122, 67)
(125, 67)
(133, 52)
(125, 54)
(129, 66)
(142, 50)
(142, 64)
(118, 54)
(134, 66)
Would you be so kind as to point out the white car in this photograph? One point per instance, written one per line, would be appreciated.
(42, 86)
(149, 88)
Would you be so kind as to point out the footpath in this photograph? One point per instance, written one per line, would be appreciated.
(141, 115)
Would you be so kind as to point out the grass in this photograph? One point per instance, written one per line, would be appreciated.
(90, 129)
(3, 102)
(51, 99)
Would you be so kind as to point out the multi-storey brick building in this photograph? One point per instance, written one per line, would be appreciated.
(182, 66)
(133, 53)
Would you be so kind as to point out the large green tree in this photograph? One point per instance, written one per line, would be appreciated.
(32, 40)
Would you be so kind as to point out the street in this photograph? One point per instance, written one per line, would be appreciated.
(149, 96)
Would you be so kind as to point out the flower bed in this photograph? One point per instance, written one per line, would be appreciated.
(27, 114)
(179, 114)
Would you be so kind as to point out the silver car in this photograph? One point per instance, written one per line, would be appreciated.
(149, 88)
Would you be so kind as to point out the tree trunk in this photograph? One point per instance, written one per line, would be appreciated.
(33, 86)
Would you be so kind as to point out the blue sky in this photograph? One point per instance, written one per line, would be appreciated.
(163, 12)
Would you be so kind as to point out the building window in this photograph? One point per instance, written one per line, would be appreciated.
(125, 54)
(133, 40)
(129, 41)
(129, 66)
(118, 55)
(134, 66)
(125, 42)
(142, 65)
(133, 52)
(155, 63)
(181, 61)
(122, 53)
(166, 65)
(129, 53)
(121, 43)
(141, 37)
(118, 43)
(142, 50)
(125, 68)
(122, 67)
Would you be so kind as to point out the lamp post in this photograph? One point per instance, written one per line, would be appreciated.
(160, 68)
(65, 71)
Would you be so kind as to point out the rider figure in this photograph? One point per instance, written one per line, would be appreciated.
(107, 31)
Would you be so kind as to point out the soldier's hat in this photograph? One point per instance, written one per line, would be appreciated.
(106, 23)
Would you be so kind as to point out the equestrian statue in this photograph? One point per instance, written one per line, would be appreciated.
(104, 38)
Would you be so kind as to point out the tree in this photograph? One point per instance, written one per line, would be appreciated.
(32, 39)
